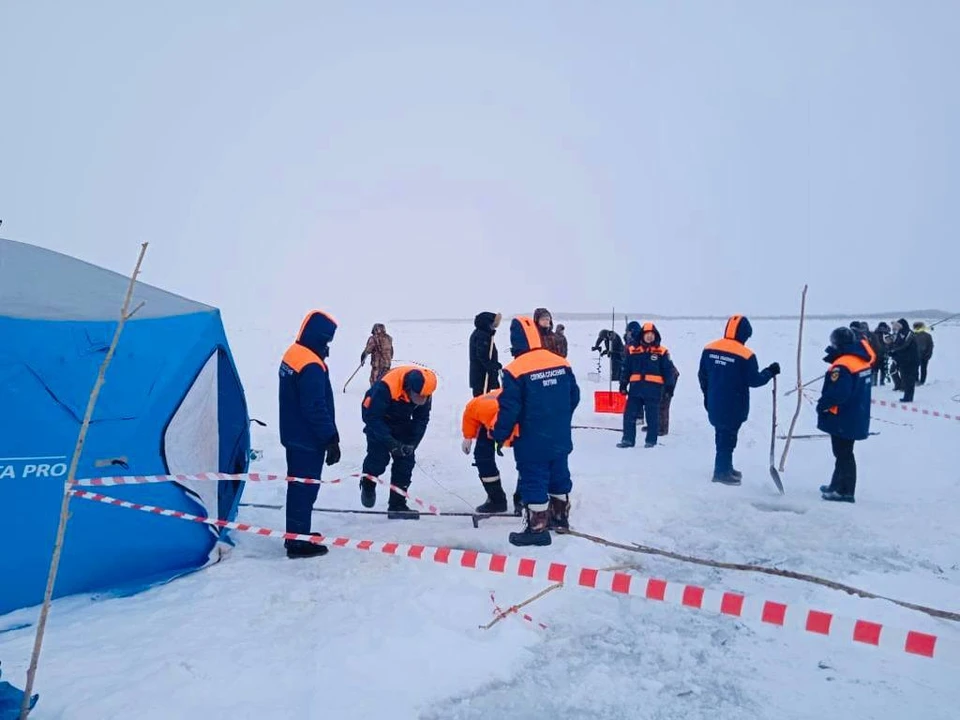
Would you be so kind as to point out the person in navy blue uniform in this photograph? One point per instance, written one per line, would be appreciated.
(646, 373)
(395, 412)
(308, 427)
(539, 395)
(728, 369)
(843, 410)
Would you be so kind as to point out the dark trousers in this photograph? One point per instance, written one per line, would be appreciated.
(537, 480)
(923, 370)
(484, 457)
(908, 382)
(665, 414)
(638, 407)
(725, 439)
(616, 362)
(401, 471)
(300, 497)
(844, 479)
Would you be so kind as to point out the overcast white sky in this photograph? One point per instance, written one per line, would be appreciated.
(387, 159)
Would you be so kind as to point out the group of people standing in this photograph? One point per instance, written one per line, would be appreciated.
(902, 355)
(528, 406)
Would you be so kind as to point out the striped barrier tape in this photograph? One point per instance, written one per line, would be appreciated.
(245, 477)
(733, 604)
(915, 409)
(214, 477)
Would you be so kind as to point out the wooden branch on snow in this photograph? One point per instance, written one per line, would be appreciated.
(796, 413)
(125, 314)
(516, 608)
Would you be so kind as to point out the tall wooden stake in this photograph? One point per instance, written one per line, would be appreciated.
(125, 314)
(796, 413)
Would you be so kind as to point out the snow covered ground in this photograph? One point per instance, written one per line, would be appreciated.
(356, 635)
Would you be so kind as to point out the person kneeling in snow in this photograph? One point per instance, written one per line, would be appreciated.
(479, 418)
(647, 372)
(539, 395)
(396, 411)
(308, 428)
(843, 410)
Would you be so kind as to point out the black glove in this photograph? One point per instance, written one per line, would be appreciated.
(595, 348)
(623, 388)
(333, 453)
(774, 369)
(603, 353)
(363, 358)
(497, 448)
(401, 451)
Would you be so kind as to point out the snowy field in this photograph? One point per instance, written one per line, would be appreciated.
(357, 635)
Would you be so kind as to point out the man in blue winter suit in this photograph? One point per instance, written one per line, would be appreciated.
(539, 395)
(396, 412)
(647, 372)
(308, 428)
(843, 410)
(728, 369)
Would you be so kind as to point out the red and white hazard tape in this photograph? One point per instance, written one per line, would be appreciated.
(513, 609)
(245, 477)
(916, 410)
(691, 596)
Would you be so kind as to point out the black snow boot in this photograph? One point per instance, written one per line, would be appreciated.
(304, 549)
(624, 444)
(727, 478)
(834, 496)
(368, 493)
(517, 505)
(559, 513)
(536, 531)
(496, 498)
(397, 508)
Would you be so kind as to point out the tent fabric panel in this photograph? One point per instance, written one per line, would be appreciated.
(43, 284)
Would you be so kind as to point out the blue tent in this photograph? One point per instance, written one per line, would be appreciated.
(172, 403)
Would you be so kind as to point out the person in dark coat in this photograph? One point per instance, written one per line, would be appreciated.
(544, 322)
(395, 413)
(843, 410)
(881, 369)
(668, 393)
(540, 394)
(728, 369)
(612, 346)
(308, 427)
(484, 358)
(905, 355)
(924, 348)
(561, 339)
(647, 372)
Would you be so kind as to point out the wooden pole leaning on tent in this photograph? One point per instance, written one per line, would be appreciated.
(799, 389)
(125, 314)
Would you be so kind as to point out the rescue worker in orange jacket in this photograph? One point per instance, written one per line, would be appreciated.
(539, 394)
(647, 372)
(479, 418)
(843, 410)
(728, 369)
(308, 426)
(396, 412)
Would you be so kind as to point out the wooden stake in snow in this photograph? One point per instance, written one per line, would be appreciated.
(796, 413)
(125, 314)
